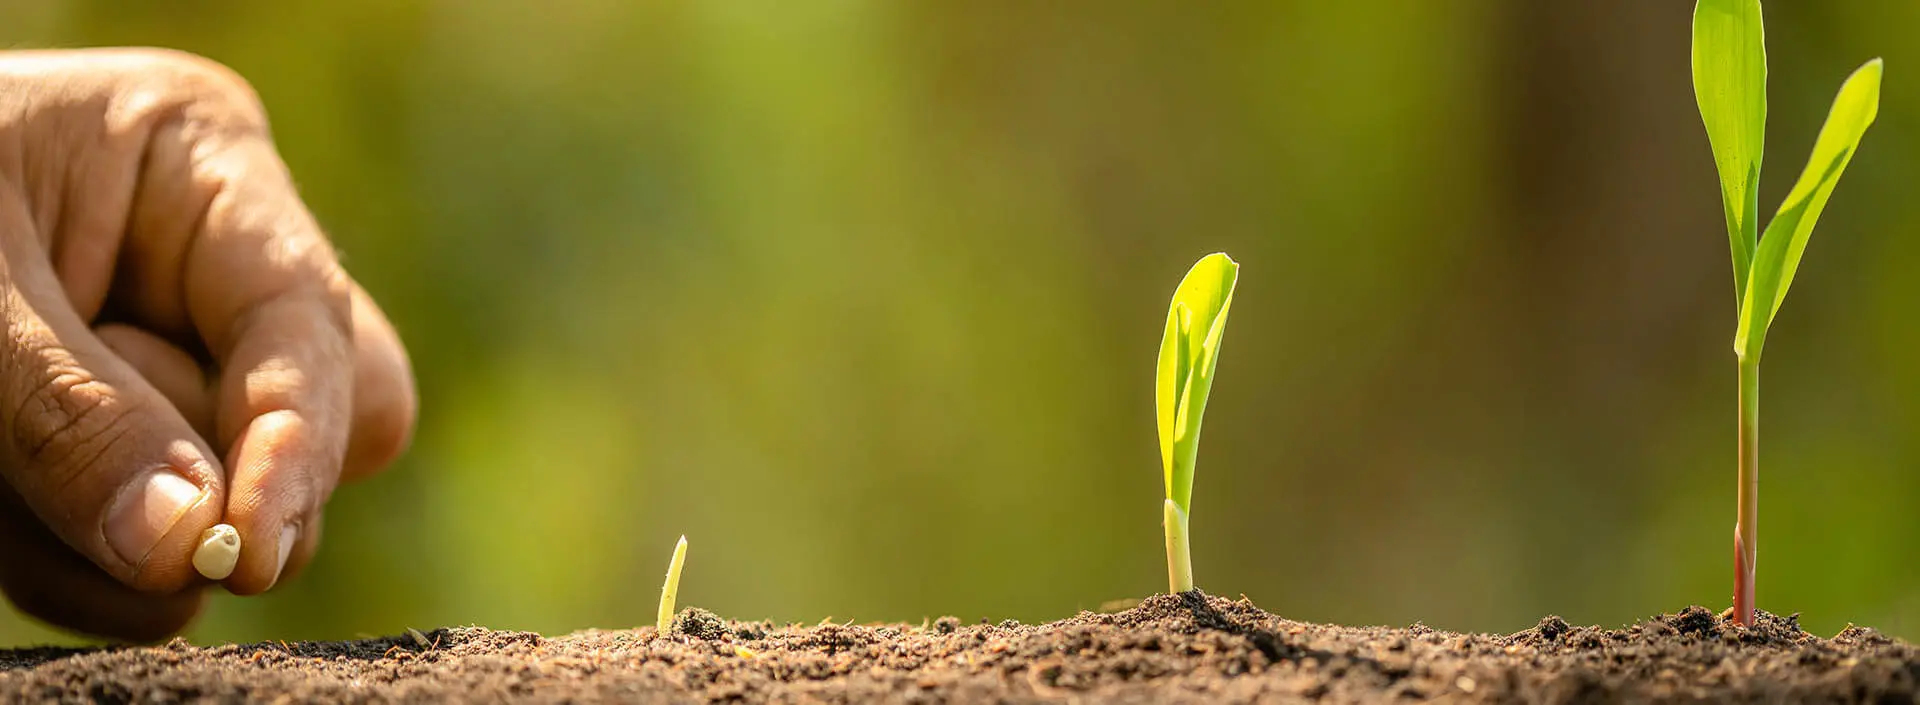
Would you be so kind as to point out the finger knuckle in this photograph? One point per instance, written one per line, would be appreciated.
(200, 81)
(279, 383)
(66, 420)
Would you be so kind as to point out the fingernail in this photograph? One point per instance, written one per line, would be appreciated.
(146, 510)
(287, 534)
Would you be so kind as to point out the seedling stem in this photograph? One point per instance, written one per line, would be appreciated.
(1179, 558)
(1746, 530)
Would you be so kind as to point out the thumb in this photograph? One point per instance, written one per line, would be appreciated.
(99, 455)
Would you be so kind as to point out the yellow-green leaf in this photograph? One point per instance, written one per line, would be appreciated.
(1730, 85)
(1167, 383)
(1196, 320)
(1778, 257)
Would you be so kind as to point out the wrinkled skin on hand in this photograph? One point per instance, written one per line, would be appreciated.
(183, 347)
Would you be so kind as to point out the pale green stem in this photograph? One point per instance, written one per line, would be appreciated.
(1179, 560)
(671, 590)
(1746, 540)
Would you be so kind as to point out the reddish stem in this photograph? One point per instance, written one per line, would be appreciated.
(1746, 540)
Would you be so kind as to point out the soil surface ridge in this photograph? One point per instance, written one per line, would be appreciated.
(1180, 648)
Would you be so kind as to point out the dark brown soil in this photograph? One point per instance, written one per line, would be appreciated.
(1168, 649)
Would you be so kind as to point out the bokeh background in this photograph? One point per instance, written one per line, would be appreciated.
(863, 297)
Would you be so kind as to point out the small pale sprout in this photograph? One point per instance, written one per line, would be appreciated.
(218, 553)
(671, 590)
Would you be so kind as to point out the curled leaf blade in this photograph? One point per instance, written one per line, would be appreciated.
(1778, 257)
(1187, 359)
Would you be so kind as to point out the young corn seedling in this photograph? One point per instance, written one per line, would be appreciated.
(671, 590)
(1730, 85)
(1196, 320)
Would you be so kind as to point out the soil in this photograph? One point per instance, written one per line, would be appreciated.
(1166, 649)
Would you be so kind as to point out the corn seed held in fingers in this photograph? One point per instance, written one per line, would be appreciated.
(219, 551)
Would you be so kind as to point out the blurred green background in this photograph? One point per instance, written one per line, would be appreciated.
(864, 297)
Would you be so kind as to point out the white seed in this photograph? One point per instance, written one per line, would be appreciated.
(219, 551)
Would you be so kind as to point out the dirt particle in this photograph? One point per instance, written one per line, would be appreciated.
(1855, 634)
(752, 631)
(700, 624)
(1552, 627)
(1694, 620)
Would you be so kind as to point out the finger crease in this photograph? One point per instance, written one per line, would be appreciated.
(105, 443)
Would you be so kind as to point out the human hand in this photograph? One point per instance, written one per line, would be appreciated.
(183, 347)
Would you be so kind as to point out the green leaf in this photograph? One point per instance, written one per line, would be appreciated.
(1730, 84)
(1168, 381)
(1196, 322)
(1786, 239)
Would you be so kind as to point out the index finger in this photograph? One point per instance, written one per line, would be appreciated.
(267, 295)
